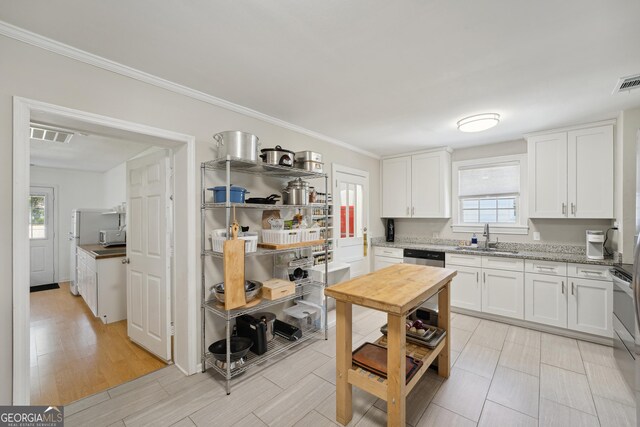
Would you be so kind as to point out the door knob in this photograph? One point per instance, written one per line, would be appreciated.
(125, 261)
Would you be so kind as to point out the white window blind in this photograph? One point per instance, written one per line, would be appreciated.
(493, 180)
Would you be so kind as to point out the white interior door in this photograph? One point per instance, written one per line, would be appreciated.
(351, 218)
(41, 235)
(148, 239)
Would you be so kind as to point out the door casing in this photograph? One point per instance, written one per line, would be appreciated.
(185, 308)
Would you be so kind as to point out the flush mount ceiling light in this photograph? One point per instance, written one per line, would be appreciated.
(479, 122)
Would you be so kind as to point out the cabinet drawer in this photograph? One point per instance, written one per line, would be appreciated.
(468, 260)
(588, 271)
(388, 252)
(545, 267)
(500, 263)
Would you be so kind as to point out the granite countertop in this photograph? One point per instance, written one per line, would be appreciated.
(100, 252)
(542, 252)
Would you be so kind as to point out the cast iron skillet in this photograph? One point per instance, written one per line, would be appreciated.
(271, 200)
(239, 348)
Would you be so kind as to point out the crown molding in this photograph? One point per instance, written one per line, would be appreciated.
(54, 46)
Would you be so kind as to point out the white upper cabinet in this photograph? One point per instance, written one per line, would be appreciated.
(571, 173)
(590, 172)
(417, 186)
(396, 187)
(548, 175)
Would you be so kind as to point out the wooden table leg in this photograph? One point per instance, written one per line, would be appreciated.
(444, 322)
(396, 370)
(344, 410)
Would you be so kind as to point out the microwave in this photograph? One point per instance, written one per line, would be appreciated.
(113, 237)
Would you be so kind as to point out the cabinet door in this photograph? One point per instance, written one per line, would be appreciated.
(503, 293)
(431, 185)
(465, 288)
(590, 172)
(380, 262)
(396, 187)
(548, 176)
(545, 299)
(591, 306)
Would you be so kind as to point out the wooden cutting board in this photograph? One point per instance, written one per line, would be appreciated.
(233, 250)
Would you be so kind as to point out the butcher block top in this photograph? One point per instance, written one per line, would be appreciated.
(396, 289)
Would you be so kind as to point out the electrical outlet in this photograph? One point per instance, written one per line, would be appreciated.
(615, 224)
(536, 235)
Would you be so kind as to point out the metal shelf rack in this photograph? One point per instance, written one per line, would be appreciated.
(303, 287)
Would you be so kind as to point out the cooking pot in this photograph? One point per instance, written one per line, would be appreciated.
(237, 144)
(310, 165)
(270, 320)
(296, 193)
(308, 156)
(236, 194)
(278, 156)
(239, 348)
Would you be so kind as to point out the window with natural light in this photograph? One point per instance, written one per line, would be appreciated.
(489, 191)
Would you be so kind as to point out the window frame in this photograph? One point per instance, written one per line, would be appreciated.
(522, 212)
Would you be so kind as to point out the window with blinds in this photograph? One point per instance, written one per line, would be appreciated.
(489, 193)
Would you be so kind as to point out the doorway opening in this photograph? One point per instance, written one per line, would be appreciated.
(120, 326)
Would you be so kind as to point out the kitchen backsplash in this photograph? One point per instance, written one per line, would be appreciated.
(507, 246)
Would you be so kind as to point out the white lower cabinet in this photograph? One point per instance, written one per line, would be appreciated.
(465, 288)
(503, 293)
(384, 257)
(590, 306)
(380, 262)
(546, 299)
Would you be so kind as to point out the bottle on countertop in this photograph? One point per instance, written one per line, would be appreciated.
(474, 241)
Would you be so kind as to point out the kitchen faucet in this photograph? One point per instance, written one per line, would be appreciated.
(485, 234)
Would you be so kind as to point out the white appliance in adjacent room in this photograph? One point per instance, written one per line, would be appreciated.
(595, 244)
(85, 230)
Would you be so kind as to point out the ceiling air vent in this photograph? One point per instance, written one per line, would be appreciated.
(627, 83)
(44, 133)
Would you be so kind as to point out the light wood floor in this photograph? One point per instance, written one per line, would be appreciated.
(502, 376)
(74, 355)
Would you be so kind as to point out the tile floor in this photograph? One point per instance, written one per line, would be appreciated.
(502, 376)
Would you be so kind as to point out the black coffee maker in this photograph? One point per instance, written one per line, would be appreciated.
(391, 230)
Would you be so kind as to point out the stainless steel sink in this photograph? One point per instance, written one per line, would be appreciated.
(488, 250)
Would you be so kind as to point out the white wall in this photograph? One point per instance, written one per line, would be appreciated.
(114, 186)
(74, 189)
(551, 230)
(72, 84)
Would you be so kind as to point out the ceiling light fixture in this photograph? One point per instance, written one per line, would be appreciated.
(479, 122)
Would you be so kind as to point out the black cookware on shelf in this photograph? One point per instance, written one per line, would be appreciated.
(271, 200)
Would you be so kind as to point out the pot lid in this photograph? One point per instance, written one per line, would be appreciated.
(277, 148)
(298, 183)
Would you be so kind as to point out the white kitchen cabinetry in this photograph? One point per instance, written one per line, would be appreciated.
(546, 299)
(503, 292)
(465, 288)
(384, 257)
(417, 186)
(102, 284)
(571, 173)
(396, 187)
(590, 306)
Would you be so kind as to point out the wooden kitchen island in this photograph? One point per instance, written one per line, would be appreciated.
(396, 290)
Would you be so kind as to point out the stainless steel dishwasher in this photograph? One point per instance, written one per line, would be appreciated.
(428, 310)
(423, 257)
